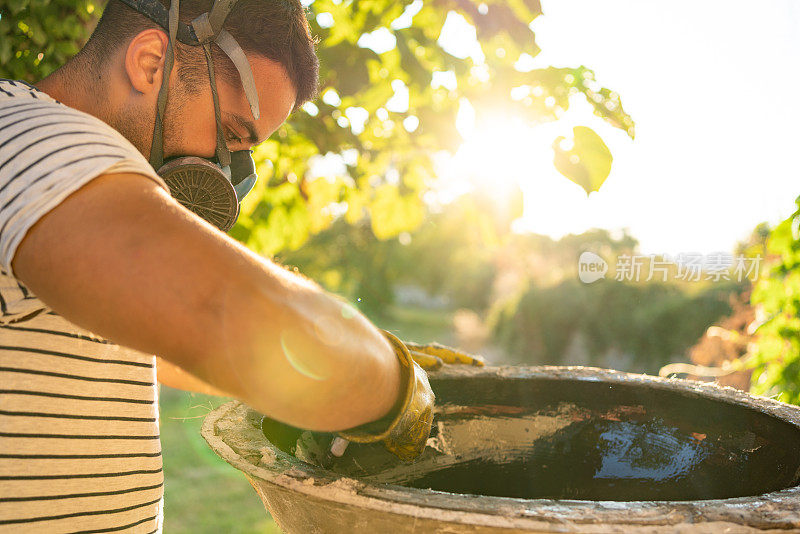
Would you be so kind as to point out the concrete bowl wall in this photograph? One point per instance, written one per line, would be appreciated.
(727, 461)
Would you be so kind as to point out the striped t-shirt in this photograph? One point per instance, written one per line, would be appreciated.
(79, 442)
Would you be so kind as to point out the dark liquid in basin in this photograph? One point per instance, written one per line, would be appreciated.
(586, 440)
(609, 460)
(615, 443)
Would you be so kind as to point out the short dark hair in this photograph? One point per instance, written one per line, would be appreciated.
(275, 29)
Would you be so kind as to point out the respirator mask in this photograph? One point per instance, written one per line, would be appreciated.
(211, 189)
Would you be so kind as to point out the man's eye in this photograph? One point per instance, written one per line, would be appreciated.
(233, 138)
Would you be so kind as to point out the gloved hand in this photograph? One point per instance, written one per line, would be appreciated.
(433, 355)
(405, 429)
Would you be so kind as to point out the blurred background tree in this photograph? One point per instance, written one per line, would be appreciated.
(774, 355)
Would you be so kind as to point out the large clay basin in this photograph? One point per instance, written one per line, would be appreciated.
(540, 449)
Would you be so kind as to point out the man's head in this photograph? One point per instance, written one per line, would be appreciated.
(127, 50)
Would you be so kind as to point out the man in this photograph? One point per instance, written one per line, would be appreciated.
(101, 268)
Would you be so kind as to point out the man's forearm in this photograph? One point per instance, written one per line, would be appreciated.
(313, 353)
(123, 259)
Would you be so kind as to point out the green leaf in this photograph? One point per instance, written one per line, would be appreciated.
(587, 162)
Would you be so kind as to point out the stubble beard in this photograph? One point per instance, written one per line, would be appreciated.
(136, 125)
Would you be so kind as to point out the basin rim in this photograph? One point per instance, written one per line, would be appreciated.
(779, 509)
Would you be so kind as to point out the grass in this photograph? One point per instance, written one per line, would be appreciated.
(418, 324)
(203, 494)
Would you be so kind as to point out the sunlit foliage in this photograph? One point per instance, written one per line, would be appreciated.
(622, 325)
(38, 36)
(776, 347)
(391, 85)
(452, 257)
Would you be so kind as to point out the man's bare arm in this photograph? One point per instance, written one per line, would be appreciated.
(121, 258)
(173, 376)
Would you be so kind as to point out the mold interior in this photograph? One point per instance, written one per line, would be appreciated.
(576, 439)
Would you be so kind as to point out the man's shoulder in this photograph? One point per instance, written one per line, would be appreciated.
(48, 151)
(39, 134)
(16, 89)
(25, 109)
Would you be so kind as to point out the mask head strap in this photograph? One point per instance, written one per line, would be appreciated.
(223, 154)
(232, 49)
(208, 27)
(204, 30)
(155, 11)
(157, 144)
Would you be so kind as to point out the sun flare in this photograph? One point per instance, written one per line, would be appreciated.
(501, 155)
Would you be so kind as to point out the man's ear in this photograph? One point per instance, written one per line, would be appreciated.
(144, 60)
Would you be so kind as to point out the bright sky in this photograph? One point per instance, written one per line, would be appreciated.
(713, 89)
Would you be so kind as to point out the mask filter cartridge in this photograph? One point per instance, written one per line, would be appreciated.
(202, 187)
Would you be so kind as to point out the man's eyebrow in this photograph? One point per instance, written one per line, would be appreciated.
(247, 125)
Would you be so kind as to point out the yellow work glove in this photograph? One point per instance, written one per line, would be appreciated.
(405, 429)
(433, 355)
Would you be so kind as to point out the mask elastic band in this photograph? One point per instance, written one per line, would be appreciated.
(219, 12)
(232, 49)
(207, 27)
(223, 154)
(157, 144)
(156, 12)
